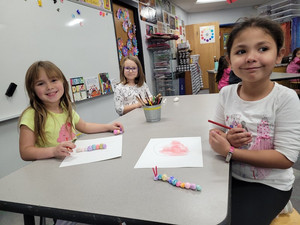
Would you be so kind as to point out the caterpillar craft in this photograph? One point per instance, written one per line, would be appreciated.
(173, 181)
(91, 148)
(118, 132)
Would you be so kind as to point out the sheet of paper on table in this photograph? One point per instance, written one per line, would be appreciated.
(172, 153)
(113, 150)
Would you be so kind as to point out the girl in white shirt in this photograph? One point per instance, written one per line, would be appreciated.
(132, 84)
(264, 142)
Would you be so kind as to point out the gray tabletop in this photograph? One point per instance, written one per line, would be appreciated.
(112, 189)
(275, 76)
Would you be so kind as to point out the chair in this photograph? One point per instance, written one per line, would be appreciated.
(288, 216)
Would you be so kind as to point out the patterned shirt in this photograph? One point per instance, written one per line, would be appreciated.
(274, 123)
(126, 95)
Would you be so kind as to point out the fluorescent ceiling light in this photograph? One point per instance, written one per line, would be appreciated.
(208, 1)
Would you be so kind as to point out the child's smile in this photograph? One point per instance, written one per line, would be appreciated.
(48, 90)
(254, 55)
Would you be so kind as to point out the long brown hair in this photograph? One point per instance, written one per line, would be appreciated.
(40, 111)
(140, 79)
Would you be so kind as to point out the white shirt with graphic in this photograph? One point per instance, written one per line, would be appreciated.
(126, 95)
(274, 123)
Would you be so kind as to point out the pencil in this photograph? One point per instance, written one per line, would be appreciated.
(140, 100)
(221, 125)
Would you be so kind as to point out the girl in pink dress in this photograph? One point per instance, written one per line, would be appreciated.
(224, 69)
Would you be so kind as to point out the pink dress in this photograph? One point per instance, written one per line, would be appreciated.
(294, 67)
(225, 78)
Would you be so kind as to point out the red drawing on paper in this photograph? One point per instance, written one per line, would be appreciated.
(175, 149)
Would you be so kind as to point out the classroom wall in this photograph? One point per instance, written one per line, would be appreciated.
(222, 16)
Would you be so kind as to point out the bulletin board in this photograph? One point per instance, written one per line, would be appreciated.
(76, 38)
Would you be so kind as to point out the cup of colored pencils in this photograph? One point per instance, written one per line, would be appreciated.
(152, 107)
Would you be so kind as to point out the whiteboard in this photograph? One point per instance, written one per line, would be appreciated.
(29, 33)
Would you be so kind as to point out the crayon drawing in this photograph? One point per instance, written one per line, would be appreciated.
(175, 148)
(172, 153)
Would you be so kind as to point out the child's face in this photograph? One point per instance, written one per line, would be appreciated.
(130, 71)
(49, 91)
(254, 55)
(298, 54)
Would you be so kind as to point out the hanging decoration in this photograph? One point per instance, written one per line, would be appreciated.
(130, 34)
(129, 47)
(120, 54)
(120, 43)
(125, 51)
(135, 51)
(125, 26)
(129, 44)
(119, 14)
(134, 41)
(231, 1)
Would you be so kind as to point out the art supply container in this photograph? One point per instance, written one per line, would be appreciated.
(152, 113)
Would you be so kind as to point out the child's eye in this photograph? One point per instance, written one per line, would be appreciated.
(239, 52)
(263, 49)
(39, 83)
(54, 79)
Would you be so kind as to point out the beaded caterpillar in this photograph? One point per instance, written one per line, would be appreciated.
(118, 132)
(172, 180)
(91, 148)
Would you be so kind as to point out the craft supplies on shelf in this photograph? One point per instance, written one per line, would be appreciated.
(163, 63)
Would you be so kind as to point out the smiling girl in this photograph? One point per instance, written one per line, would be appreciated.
(263, 143)
(132, 84)
(47, 126)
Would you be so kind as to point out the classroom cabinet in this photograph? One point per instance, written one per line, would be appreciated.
(163, 65)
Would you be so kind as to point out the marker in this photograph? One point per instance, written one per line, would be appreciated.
(221, 125)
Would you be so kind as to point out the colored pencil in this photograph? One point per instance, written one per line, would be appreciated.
(219, 124)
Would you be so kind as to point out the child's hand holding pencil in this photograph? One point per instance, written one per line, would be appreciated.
(237, 136)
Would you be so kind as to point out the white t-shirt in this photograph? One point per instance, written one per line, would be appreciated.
(126, 95)
(274, 122)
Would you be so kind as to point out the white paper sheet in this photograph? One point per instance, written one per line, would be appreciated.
(172, 153)
(113, 150)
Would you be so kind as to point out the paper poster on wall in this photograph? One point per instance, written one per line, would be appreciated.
(225, 37)
(149, 29)
(159, 10)
(172, 22)
(207, 34)
(166, 18)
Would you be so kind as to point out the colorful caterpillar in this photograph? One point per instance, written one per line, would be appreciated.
(172, 180)
(91, 148)
(118, 132)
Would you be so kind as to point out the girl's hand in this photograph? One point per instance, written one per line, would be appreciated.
(116, 126)
(138, 105)
(238, 136)
(218, 143)
(63, 149)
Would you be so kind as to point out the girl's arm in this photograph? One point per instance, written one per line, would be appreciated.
(90, 128)
(268, 158)
(128, 108)
(29, 151)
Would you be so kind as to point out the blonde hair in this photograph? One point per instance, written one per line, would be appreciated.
(40, 111)
(140, 79)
